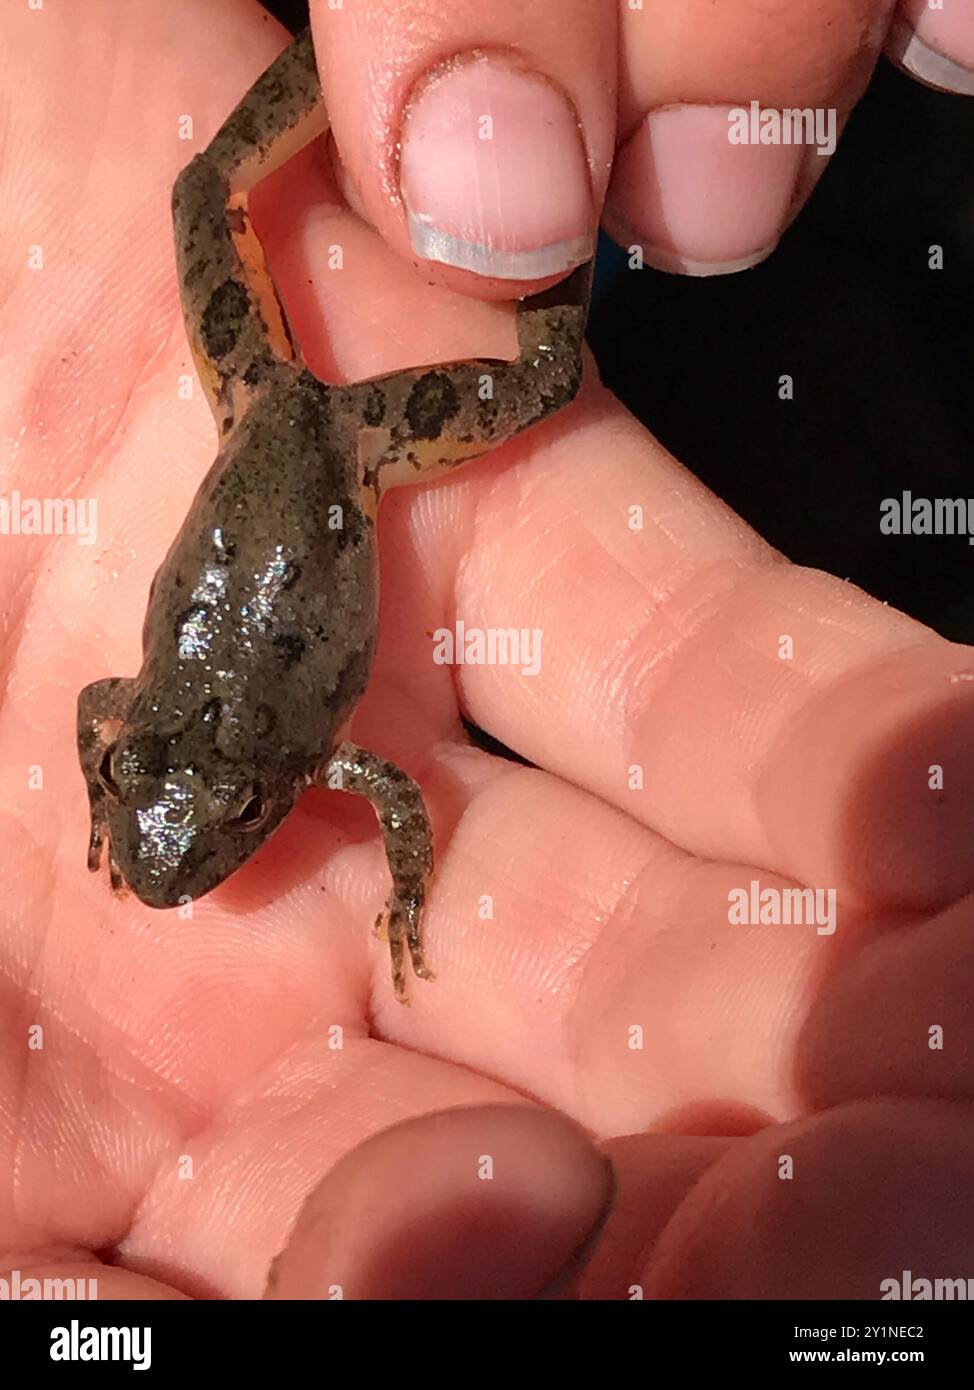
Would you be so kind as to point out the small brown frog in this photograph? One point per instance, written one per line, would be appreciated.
(261, 622)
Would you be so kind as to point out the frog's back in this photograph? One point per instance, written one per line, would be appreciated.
(264, 609)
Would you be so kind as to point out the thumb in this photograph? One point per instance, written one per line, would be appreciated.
(485, 1202)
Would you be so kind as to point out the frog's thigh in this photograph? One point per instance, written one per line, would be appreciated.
(398, 804)
(419, 423)
(234, 317)
(102, 708)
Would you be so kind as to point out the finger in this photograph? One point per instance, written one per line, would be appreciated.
(920, 1042)
(479, 1203)
(935, 43)
(708, 174)
(227, 1200)
(748, 710)
(653, 1176)
(804, 1211)
(475, 138)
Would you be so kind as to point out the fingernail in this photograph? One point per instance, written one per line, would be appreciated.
(698, 202)
(935, 43)
(493, 172)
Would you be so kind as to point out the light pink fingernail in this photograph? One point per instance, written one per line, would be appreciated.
(935, 42)
(493, 172)
(696, 201)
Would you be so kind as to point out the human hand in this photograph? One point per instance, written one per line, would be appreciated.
(486, 138)
(190, 1094)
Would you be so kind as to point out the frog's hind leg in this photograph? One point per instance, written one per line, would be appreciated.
(398, 803)
(102, 709)
(423, 422)
(234, 317)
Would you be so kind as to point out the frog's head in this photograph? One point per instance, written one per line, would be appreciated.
(178, 826)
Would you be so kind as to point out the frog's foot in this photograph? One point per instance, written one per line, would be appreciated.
(398, 803)
(102, 708)
(399, 924)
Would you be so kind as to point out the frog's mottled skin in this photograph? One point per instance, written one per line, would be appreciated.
(261, 622)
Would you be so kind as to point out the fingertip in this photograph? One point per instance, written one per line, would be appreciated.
(476, 141)
(803, 1211)
(480, 1202)
(493, 171)
(935, 46)
(884, 813)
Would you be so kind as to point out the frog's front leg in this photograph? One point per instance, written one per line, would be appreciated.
(398, 803)
(102, 709)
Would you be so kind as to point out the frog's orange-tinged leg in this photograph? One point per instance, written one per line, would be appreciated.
(420, 423)
(398, 803)
(234, 318)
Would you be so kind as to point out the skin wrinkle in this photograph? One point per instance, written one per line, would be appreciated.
(707, 614)
(575, 1032)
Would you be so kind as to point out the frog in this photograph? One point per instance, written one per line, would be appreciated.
(261, 623)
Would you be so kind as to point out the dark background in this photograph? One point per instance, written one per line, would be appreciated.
(880, 347)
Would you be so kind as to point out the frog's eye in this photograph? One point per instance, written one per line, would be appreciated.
(105, 776)
(252, 814)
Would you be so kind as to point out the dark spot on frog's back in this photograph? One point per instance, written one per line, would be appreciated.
(290, 648)
(432, 402)
(352, 679)
(224, 317)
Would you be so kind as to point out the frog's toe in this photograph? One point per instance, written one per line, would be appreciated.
(94, 851)
(119, 887)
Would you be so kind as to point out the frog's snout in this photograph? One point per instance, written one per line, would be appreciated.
(162, 894)
(166, 848)
(185, 840)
